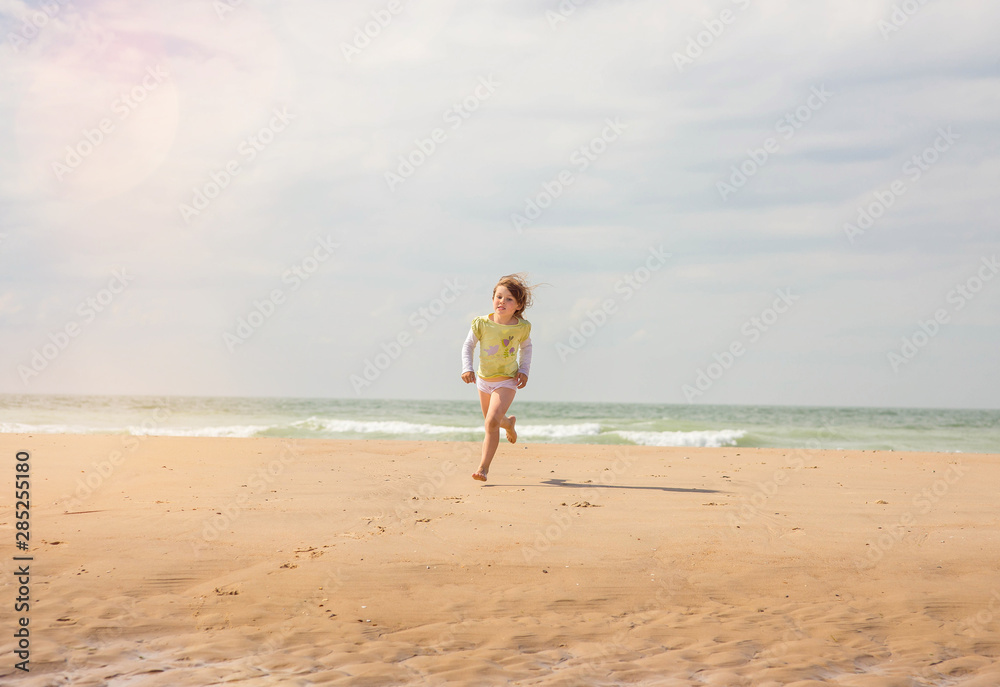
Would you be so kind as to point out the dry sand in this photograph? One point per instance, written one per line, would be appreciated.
(191, 561)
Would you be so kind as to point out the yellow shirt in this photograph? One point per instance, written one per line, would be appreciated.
(498, 345)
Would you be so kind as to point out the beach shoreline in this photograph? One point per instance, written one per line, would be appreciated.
(179, 560)
(625, 424)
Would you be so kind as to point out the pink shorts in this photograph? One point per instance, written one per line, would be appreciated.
(490, 387)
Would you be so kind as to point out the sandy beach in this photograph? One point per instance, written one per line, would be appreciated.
(198, 561)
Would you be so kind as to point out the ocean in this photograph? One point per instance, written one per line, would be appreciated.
(896, 429)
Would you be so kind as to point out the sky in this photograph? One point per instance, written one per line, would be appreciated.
(733, 202)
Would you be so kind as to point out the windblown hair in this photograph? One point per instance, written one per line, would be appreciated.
(519, 289)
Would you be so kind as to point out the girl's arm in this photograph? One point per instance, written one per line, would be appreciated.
(525, 362)
(467, 348)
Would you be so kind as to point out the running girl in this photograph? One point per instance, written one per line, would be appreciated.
(501, 335)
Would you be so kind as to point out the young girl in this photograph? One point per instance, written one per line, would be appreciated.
(499, 334)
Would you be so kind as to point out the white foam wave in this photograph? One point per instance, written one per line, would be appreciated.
(396, 428)
(21, 428)
(318, 424)
(705, 438)
(135, 430)
(238, 431)
(559, 431)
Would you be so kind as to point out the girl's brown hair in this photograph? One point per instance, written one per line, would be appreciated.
(519, 289)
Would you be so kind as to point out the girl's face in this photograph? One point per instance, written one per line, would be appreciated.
(504, 304)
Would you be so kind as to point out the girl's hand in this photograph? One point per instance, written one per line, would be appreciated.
(522, 380)
(468, 377)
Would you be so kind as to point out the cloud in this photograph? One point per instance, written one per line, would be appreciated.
(367, 91)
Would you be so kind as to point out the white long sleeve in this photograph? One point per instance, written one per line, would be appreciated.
(525, 361)
(467, 348)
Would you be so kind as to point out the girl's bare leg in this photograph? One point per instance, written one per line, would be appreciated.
(494, 407)
(507, 423)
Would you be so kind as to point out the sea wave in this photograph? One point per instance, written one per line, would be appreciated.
(335, 426)
(400, 428)
(328, 427)
(703, 438)
(23, 428)
(135, 430)
(900, 429)
(235, 431)
(585, 429)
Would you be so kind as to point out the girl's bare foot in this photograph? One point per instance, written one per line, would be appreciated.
(511, 434)
(481, 476)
